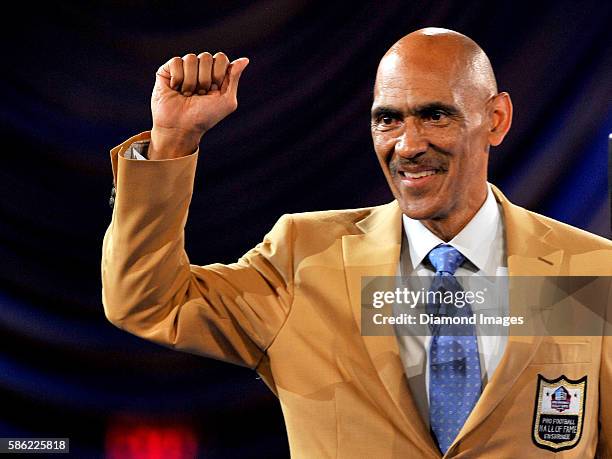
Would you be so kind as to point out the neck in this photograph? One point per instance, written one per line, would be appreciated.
(447, 227)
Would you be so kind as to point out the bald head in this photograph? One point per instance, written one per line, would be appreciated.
(443, 52)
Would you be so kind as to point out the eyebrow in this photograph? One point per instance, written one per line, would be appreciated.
(418, 110)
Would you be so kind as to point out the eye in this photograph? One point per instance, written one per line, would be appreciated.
(386, 121)
(435, 115)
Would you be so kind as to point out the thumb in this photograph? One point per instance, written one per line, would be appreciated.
(235, 70)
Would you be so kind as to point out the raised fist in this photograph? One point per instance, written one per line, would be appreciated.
(191, 95)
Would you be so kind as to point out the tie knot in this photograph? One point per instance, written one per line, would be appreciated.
(446, 259)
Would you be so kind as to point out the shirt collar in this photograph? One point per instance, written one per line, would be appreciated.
(481, 231)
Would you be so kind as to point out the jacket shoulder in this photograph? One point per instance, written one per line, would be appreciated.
(568, 236)
(341, 221)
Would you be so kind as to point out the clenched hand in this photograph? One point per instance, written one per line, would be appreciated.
(191, 95)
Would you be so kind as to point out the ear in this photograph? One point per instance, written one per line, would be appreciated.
(500, 118)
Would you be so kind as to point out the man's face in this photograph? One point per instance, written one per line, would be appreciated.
(429, 128)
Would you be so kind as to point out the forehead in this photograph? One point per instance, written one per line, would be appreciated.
(401, 81)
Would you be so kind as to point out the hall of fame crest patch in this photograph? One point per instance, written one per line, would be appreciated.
(559, 412)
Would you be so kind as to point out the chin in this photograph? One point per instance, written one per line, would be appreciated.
(419, 211)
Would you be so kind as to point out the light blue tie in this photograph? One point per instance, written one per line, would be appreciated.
(454, 365)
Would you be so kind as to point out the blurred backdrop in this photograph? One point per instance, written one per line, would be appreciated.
(76, 81)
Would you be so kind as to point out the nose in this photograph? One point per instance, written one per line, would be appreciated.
(411, 142)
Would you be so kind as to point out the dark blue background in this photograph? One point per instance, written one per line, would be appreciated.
(76, 80)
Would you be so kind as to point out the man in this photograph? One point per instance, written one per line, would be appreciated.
(291, 307)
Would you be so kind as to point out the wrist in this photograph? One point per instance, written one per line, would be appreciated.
(169, 143)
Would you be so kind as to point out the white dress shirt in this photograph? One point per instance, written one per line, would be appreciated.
(481, 241)
(137, 150)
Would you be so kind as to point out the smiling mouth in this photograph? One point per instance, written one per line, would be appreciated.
(420, 174)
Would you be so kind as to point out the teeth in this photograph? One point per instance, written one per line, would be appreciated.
(416, 175)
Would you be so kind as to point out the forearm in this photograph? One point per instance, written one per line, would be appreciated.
(145, 270)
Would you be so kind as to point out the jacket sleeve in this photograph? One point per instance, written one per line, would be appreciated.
(604, 447)
(149, 288)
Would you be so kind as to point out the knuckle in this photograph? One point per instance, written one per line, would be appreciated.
(175, 60)
(220, 55)
(205, 55)
(189, 56)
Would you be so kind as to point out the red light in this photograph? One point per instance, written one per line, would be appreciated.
(140, 439)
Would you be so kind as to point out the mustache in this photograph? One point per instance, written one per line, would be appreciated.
(424, 159)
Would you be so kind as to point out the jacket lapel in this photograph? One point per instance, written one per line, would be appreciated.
(376, 252)
(529, 254)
